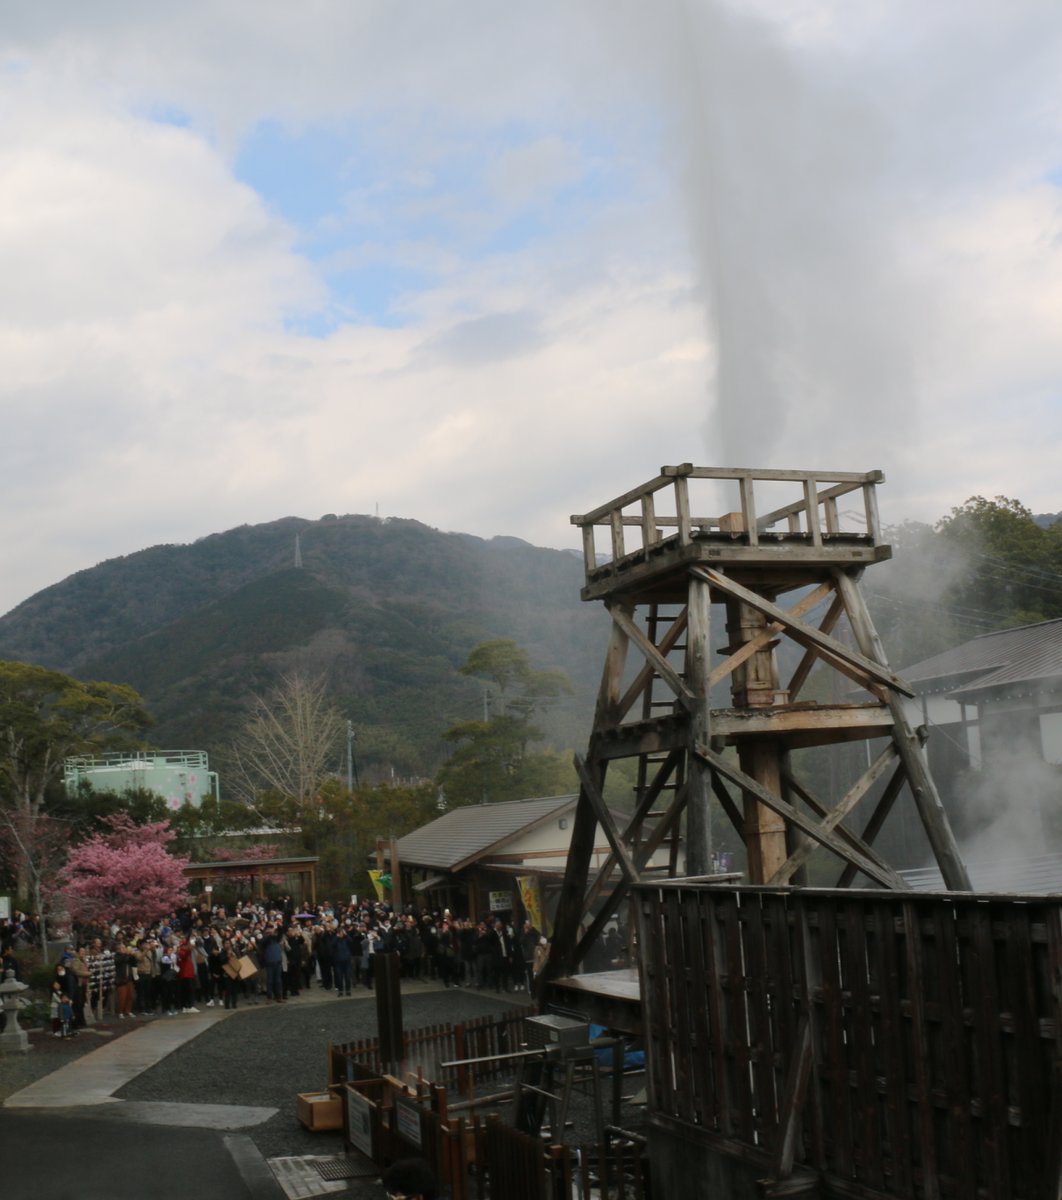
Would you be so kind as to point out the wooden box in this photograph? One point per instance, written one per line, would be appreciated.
(319, 1110)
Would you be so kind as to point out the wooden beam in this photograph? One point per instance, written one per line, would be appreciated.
(872, 720)
(792, 1100)
(604, 819)
(652, 655)
(630, 834)
(843, 807)
(858, 843)
(856, 665)
(877, 819)
(927, 799)
(811, 656)
(570, 901)
(730, 664)
(785, 809)
(656, 736)
(737, 818)
(698, 781)
(608, 694)
(666, 644)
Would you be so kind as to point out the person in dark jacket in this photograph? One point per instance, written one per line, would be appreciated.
(272, 958)
(323, 951)
(342, 961)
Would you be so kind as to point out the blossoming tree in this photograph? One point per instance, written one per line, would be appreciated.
(125, 873)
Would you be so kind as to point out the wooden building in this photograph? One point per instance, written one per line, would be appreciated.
(470, 859)
(992, 696)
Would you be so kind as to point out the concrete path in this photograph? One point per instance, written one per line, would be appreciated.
(95, 1077)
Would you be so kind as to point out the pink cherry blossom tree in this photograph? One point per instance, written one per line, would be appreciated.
(126, 873)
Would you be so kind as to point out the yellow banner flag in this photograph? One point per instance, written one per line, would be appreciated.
(377, 883)
(531, 898)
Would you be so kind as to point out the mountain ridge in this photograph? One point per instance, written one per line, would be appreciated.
(386, 609)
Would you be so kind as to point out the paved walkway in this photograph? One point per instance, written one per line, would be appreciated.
(94, 1078)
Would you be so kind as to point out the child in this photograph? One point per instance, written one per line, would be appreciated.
(55, 1008)
(66, 1016)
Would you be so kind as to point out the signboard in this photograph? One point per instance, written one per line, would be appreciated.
(501, 901)
(359, 1122)
(407, 1116)
(5, 908)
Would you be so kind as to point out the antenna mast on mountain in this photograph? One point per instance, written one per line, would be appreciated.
(298, 552)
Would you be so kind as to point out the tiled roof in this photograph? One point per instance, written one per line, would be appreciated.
(1033, 876)
(1027, 654)
(465, 834)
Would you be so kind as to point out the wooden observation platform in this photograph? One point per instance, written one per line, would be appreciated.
(709, 616)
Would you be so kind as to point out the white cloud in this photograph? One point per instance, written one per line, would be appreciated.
(859, 198)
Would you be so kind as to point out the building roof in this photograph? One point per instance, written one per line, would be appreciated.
(465, 834)
(1029, 876)
(1029, 655)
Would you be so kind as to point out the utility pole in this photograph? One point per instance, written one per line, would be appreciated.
(352, 766)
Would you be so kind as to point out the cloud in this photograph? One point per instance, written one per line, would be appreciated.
(541, 252)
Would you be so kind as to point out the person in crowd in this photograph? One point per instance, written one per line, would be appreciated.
(501, 958)
(78, 970)
(296, 952)
(230, 970)
(186, 974)
(101, 977)
(538, 960)
(147, 976)
(323, 952)
(201, 945)
(272, 958)
(216, 959)
(447, 964)
(529, 936)
(410, 1179)
(124, 981)
(483, 951)
(56, 999)
(342, 961)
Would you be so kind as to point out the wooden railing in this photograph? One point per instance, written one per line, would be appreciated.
(429, 1048)
(660, 511)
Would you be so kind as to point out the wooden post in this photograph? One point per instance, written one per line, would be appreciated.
(387, 973)
(927, 799)
(698, 669)
(753, 685)
(396, 878)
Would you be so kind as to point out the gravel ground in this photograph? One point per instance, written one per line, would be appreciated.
(265, 1055)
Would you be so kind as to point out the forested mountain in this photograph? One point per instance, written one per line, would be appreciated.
(386, 610)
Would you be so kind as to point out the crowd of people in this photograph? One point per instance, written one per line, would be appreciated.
(267, 952)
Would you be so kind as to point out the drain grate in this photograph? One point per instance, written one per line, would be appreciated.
(346, 1168)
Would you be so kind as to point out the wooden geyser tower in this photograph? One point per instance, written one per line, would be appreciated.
(787, 544)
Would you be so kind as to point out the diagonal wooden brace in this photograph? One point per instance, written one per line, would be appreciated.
(836, 815)
(886, 877)
(652, 655)
(850, 662)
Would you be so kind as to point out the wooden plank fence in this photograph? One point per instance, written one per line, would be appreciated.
(428, 1048)
(887, 1044)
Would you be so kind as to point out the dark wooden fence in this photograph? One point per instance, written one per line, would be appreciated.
(880, 1044)
(428, 1048)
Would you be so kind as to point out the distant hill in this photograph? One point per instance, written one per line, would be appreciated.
(387, 610)
(1046, 520)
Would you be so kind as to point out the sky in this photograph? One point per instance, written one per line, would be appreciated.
(486, 265)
